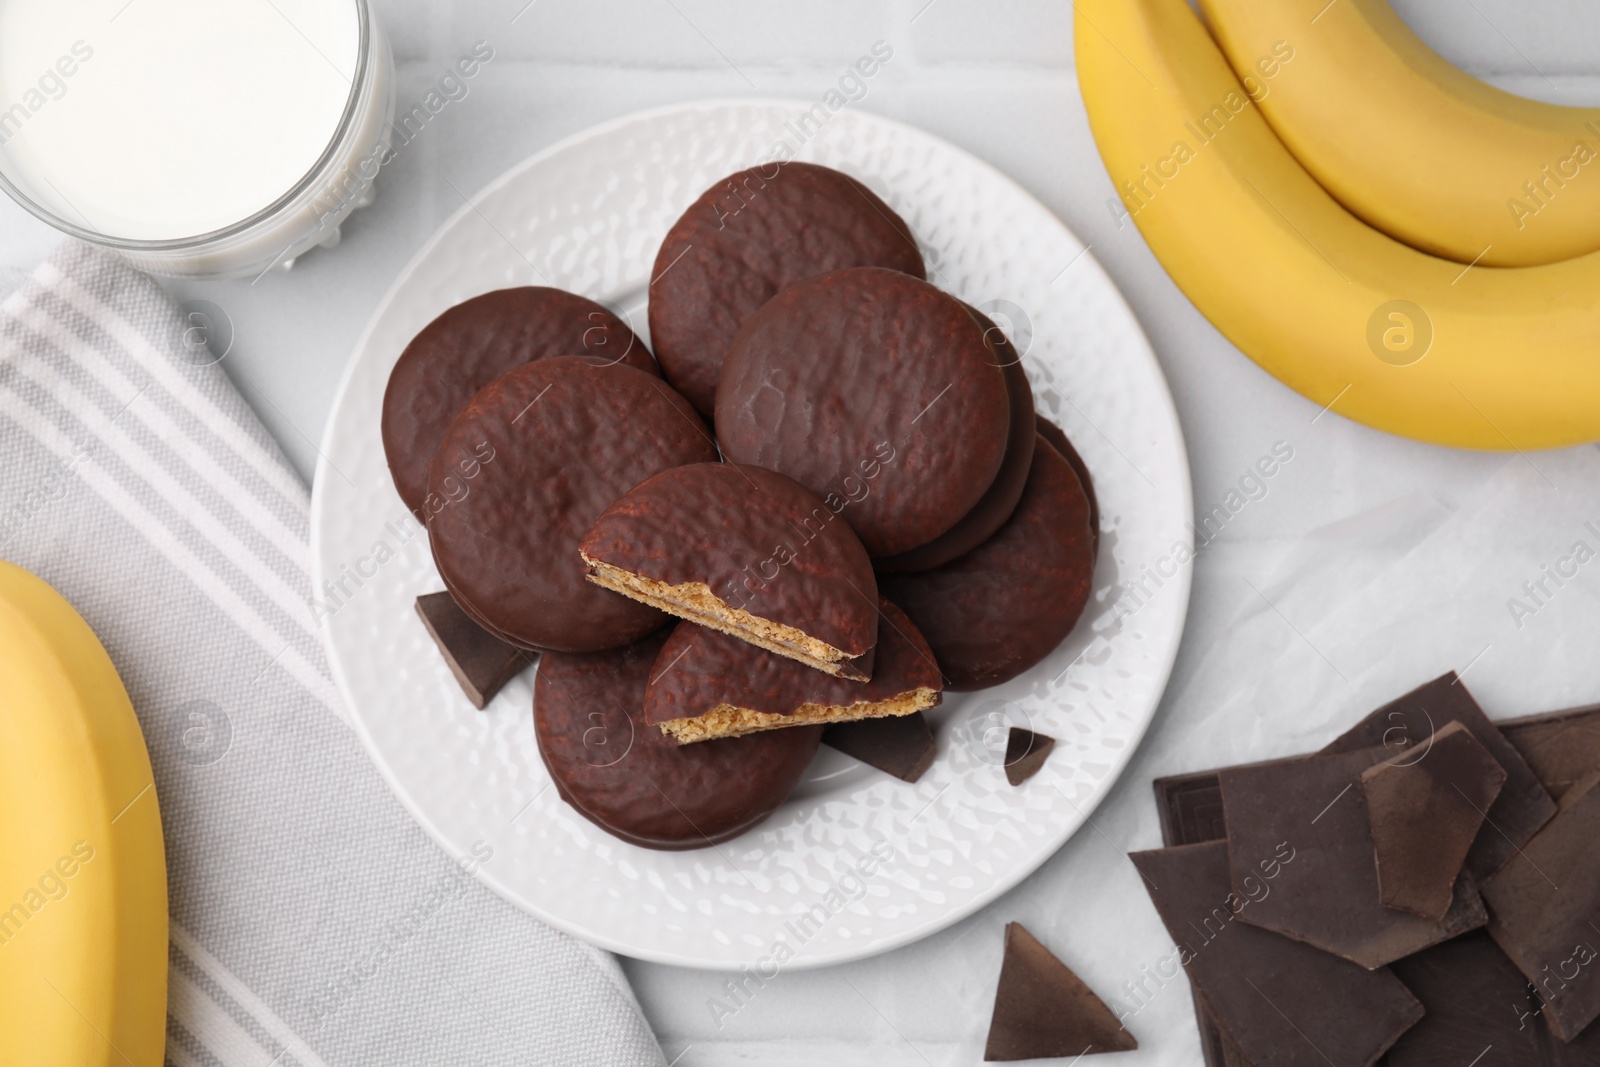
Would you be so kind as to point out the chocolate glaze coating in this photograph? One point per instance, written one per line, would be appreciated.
(550, 444)
(986, 516)
(1004, 606)
(471, 345)
(1056, 437)
(875, 387)
(748, 236)
(761, 541)
(699, 668)
(634, 782)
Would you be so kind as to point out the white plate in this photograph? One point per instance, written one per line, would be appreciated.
(588, 215)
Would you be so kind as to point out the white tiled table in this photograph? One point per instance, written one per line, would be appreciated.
(1379, 562)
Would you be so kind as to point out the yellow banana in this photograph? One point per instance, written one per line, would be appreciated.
(1419, 149)
(83, 880)
(1478, 357)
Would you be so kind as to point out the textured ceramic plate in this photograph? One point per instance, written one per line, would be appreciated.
(587, 215)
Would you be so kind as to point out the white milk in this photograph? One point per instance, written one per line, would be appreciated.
(158, 120)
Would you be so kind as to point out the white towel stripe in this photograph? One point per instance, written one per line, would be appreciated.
(211, 1024)
(244, 996)
(291, 543)
(228, 430)
(165, 541)
(198, 516)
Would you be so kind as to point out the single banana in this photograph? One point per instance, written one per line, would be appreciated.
(1477, 357)
(83, 878)
(1423, 151)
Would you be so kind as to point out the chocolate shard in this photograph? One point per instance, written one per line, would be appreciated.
(1424, 809)
(1480, 1010)
(1523, 805)
(1280, 1002)
(1305, 822)
(902, 745)
(1561, 746)
(1544, 904)
(481, 662)
(1043, 1010)
(1026, 752)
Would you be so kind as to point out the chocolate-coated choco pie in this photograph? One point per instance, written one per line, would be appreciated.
(570, 435)
(640, 785)
(471, 345)
(749, 236)
(835, 368)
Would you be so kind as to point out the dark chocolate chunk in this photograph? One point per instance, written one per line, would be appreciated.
(879, 393)
(1281, 1002)
(635, 783)
(748, 236)
(1424, 809)
(1056, 438)
(749, 552)
(1026, 752)
(1545, 908)
(1007, 604)
(901, 745)
(707, 684)
(991, 512)
(1561, 746)
(481, 662)
(1307, 820)
(1042, 1010)
(1480, 1010)
(471, 345)
(1523, 805)
(525, 469)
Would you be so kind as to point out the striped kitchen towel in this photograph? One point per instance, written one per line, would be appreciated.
(313, 923)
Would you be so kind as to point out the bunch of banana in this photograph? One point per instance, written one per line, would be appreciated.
(1427, 154)
(83, 880)
(1405, 341)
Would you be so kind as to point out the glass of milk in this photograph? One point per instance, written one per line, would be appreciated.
(199, 138)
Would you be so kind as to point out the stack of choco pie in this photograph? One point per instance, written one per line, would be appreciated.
(825, 499)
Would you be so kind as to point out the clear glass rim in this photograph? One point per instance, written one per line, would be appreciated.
(178, 244)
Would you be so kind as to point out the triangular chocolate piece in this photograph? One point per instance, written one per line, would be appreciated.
(481, 662)
(1026, 752)
(1042, 1009)
(901, 745)
(1425, 807)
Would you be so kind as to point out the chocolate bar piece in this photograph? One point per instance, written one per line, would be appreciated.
(901, 745)
(1306, 821)
(1560, 746)
(1042, 1009)
(1424, 809)
(1026, 752)
(1523, 805)
(481, 662)
(1480, 1010)
(1545, 904)
(1279, 1001)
